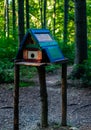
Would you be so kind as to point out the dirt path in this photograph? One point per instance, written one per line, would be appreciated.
(78, 105)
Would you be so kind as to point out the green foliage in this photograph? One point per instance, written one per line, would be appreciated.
(68, 51)
(35, 17)
(52, 68)
(6, 71)
(8, 47)
(1, 18)
(8, 50)
(86, 77)
(27, 72)
(82, 73)
(26, 84)
(89, 18)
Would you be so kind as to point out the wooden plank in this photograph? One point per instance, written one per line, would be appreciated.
(30, 64)
(65, 60)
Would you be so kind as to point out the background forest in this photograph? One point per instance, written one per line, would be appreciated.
(56, 15)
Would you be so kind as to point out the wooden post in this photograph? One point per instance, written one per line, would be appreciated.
(16, 98)
(64, 94)
(43, 95)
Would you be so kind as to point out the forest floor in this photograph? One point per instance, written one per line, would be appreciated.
(78, 105)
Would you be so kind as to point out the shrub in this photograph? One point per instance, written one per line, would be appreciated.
(82, 73)
(8, 49)
(6, 72)
(68, 51)
(86, 77)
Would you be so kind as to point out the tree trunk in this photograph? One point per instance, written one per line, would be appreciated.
(81, 31)
(6, 26)
(14, 19)
(41, 12)
(27, 14)
(54, 17)
(65, 21)
(21, 19)
(81, 37)
(44, 22)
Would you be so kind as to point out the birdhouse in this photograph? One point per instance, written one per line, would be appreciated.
(39, 46)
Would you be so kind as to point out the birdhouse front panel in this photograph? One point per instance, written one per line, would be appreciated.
(32, 55)
(32, 52)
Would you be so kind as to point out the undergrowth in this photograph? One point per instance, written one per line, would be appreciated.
(83, 76)
(8, 51)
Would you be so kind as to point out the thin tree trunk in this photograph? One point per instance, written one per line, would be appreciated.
(5, 18)
(65, 21)
(21, 19)
(14, 19)
(54, 15)
(41, 12)
(27, 14)
(44, 23)
(6, 26)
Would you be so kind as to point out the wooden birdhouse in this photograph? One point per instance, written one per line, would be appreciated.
(39, 46)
